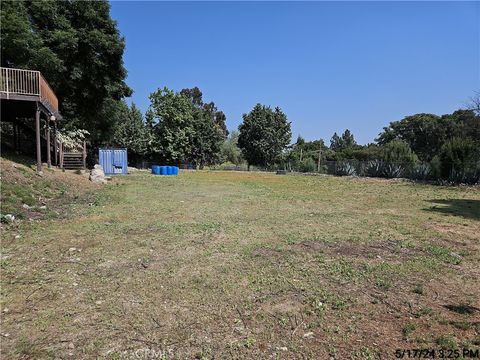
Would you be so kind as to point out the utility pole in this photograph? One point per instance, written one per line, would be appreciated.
(319, 157)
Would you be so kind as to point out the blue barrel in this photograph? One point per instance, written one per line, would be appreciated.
(155, 170)
(163, 170)
(175, 170)
(169, 170)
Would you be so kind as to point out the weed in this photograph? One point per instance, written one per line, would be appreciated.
(408, 329)
(25, 347)
(447, 342)
(418, 289)
(462, 325)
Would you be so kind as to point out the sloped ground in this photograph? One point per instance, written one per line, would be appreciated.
(239, 265)
(29, 196)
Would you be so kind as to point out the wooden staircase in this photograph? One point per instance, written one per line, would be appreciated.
(73, 160)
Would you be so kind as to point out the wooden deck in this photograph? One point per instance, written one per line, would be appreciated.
(26, 94)
(28, 85)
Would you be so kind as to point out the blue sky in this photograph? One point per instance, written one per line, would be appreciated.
(328, 65)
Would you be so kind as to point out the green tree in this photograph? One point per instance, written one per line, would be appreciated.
(264, 134)
(460, 161)
(170, 122)
(346, 141)
(397, 151)
(427, 133)
(399, 159)
(77, 47)
(130, 131)
(209, 127)
(230, 151)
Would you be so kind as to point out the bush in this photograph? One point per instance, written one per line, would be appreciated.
(421, 172)
(460, 161)
(435, 168)
(399, 158)
(394, 170)
(345, 168)
(307, 165)
(374, 168)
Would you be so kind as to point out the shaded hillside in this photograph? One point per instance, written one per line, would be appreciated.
(27, 195)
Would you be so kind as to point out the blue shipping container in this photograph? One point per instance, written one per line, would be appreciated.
(113, 161)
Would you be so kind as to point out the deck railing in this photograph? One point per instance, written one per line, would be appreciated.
(28, 83)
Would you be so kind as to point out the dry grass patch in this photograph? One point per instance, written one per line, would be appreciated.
(245, 265)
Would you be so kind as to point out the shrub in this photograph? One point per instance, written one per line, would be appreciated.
(460, 161)
(421, 172)
(307, 165)
(374, 168)
(393, 170)
(399, 158)
(345, 168)
(435, 168)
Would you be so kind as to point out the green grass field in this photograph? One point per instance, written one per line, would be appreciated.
(246, 265)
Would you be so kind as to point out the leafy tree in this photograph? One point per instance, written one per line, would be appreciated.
(399, 159)
(427, 133)
(335, 142)
(397, 151)
(346, 141)
(170, 121)
(130, 130)
(230, 151)
(77, 47)
(264, 134)
(209, 127)
(460, 161)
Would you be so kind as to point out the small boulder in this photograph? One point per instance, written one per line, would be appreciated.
(8, 218)
(97, 175)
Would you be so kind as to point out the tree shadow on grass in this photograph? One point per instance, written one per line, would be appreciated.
(469, 209)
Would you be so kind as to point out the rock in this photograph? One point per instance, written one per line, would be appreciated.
(9, 218)
(17, 236)
(308, 335)
(43, 207)
(26, 207)
(97, 175)
(72, 249)
(71, 346)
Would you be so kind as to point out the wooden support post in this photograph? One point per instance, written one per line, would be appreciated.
(37, 139)
(49, 148)
(84, 152)
(55, 143)
(61, 155)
